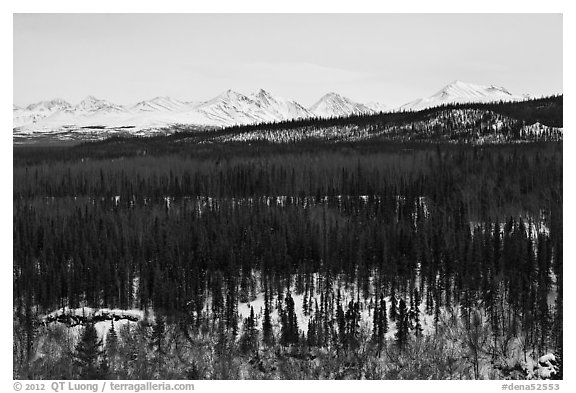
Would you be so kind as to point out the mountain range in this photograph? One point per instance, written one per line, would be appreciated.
(228, 108)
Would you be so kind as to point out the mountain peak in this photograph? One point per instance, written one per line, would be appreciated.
(335, 105)
(458, 92)
(457, 82)
(333, 98)
(92, 104)
(459, 87)
(262, 92)
(52, 105)
(333, 95)
(160, 104)
(231, 95)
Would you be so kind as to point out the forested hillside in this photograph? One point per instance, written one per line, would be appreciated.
(306, 260)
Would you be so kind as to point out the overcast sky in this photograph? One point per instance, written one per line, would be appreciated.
(389, 58)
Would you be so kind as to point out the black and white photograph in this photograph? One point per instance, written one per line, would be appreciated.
(287, 196)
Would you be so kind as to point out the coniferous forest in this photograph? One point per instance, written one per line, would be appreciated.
(202, 255)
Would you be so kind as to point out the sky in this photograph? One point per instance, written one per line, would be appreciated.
(386, 58)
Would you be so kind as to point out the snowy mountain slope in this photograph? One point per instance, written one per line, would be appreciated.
(161, 104)
(459, 92)
(92, 105)
(89, 112)
(280, 108)
(230, 108)
(466, 125)
(335, 105)
(51, 106)
(38, 111)
(376, 106)
(21, 117)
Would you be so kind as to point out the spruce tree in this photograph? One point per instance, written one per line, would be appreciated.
(289, 331)
(267, 333)
(104, 371)
(87, 354)
(417, 326)
(157, 341)
(393, 306)
(375, 321)
(311, 337)
(249, 338)
(340, 318)
(382, 320)
(29, 328)
(112, 343)
(157, 338)
(402, 325)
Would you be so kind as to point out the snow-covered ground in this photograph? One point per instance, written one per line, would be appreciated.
(546, 368)
(366, 312)
(528, 366)
(104, 317)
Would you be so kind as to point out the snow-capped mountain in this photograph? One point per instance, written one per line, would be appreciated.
(335, 105)
(56, 116)
(228, 108)
(93, 105)
(231, 108)
(48, 107)
(36, 112)
(280, 108)
(161, 104)
(459, 92)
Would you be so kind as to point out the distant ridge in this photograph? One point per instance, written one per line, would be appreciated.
(226, 109)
